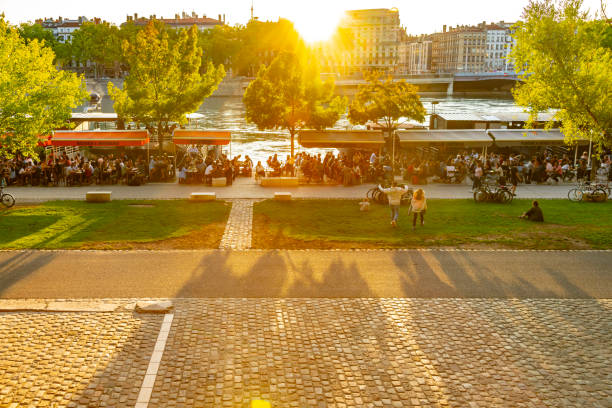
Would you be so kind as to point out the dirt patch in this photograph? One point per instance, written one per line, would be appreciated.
(141, 205)
(207, 237)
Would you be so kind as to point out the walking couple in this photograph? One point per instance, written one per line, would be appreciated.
(418, 204)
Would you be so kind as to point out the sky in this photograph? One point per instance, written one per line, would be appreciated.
(314, 19)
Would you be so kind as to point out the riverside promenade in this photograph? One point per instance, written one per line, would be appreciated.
(247, 188)
(405, 328)
(302, 328)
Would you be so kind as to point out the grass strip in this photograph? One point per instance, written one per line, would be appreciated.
(117, 224)
(461, 223)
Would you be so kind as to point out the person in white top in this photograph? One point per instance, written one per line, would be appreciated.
(394, 194)
(418, 207)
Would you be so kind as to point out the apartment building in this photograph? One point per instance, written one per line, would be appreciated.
(376, 35)
(179, 21)
(414, 55)
(498, 47)
(62, 28)
(459, 49)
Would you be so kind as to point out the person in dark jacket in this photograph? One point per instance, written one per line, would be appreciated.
(534, 213)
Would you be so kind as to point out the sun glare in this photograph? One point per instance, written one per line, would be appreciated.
(316, 26)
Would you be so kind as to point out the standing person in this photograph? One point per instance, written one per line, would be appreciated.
(419, 207)
(478, 172)
(514, 179)
(394, 194)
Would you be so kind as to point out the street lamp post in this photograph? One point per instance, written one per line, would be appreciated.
(433, 108)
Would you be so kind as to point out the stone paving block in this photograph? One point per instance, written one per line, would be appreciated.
(81, 307)
(153, 306)
(238, 230)
(9, 305)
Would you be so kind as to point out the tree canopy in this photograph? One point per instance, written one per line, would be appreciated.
(566, 63)
(164, 82)
(385, 102)
(289, 94)
(35, 97)
(99, 43)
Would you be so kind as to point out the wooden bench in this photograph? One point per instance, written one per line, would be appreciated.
(219, 182)
(280, 182)
(282, 196)
(98, 196)
(203, 196)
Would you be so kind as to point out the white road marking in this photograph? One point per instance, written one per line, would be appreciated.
(158, 351)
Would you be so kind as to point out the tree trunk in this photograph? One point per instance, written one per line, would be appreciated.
(160, 138)
(292, 139)
(392, 137)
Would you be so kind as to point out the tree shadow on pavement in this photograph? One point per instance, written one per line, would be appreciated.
(339, 280)
(216, 277)
(20, 265)
(527, 341)
(117, 383)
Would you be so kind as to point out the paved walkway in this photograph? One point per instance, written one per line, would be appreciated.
(239, 227)
(246, 188)
(311, 274)
(315, 353)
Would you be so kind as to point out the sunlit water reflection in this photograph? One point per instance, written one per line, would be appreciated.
(228, 113)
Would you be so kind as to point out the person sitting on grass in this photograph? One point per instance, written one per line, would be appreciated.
(534, 213)
(394, 194)
(418, 207)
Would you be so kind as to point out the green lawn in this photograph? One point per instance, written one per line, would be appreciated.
(448, 223)
(118, 224)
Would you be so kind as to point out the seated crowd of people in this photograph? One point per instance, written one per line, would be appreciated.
(195, 169)
(346, 169)
(78, 170)
(500, 168)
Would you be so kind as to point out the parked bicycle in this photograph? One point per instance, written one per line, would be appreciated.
(377, 196)
(497, 194)
(7, 200)
(589, 191)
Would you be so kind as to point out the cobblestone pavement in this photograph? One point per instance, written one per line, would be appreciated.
(74, 359)
(317, 353)
(239, 227)
(246, 188)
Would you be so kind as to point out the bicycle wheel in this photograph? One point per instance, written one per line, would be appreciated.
(505, 196)
(599, 195)
(480, 196)
(574, 195)
(371, 192)
(8, 200)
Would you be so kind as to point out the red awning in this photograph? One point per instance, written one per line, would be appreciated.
(206, 137)
(100, 138)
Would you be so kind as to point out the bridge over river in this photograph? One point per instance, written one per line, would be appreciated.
(438, 83)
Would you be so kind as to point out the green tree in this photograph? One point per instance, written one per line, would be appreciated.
(98, 43)
(220, 44)
(387, 103)
(289, 94)
(35, 97)
(164, 82)
(36, 31)
(261, 42)
(29, 32)
(566, 61)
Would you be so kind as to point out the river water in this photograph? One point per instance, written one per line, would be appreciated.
(228, 113)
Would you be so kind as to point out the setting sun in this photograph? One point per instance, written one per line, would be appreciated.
(316, 26)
